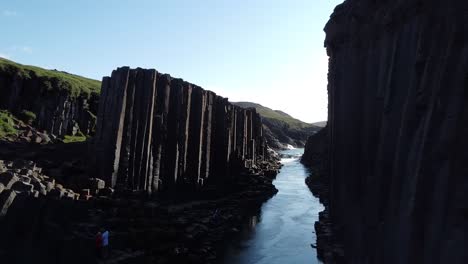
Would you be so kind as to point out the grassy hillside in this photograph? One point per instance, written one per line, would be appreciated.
(275, 115)
(77, 85)
(7, 122)
(281, 128)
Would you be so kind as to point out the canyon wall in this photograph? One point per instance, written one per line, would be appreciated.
(398, 123)
(60, 106)
(316, 149)
(157, 133)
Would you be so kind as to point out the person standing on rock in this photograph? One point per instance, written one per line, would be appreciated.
(105, 243)
(99, 245)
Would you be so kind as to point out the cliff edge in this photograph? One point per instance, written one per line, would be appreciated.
(398, 119)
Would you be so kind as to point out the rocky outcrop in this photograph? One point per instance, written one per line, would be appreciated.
(397, 121)
(26, 179)
(55, 231)
(316, 150)
(157, 133)
(316, 158)
(58, 108)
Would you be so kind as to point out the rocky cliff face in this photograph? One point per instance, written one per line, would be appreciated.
(398, 120)
(316, 149)
(59, 110)
(156, 133)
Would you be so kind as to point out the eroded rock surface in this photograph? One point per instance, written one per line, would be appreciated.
(157, 133)
(398, 118)
(58, 110)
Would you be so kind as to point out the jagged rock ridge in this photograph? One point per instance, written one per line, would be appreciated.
(155, 132)
(397, 121)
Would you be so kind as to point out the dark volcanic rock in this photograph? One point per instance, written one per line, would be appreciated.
(398, 119)
(316, 149)
(156, 133)
(8, 179)
(57, 110)
(6, 199)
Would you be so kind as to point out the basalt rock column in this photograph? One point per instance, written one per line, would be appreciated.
(123, 144)
(58, 110)
(160, 131)
(397, 127)
(156, 133)
(111, 116)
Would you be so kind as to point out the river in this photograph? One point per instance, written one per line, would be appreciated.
(283, 231)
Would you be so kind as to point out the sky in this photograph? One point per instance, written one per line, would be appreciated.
(265, 51)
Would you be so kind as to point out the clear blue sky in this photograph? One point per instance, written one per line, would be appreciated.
(265, 51)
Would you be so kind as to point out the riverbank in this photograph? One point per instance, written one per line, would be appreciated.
(188, 228)
(329, 247)
(283, 230)
(142, 231)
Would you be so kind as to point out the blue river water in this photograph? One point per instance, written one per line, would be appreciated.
(284, 230)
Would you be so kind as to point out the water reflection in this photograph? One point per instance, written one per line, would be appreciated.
(284, 229)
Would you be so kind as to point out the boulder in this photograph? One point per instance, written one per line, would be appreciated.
(37, 139)
(24, 178)
(44, 138)
(106, 191)
(25, 172)
(49, 185)
(7, 197)
(56, 193)
(39, 186)
(69, 194)
(3, 167)
(22, 187)
(85, 192)
(8, 179)
(97, 184)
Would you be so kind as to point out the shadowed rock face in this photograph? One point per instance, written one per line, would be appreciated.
(57, 111)
(398, 120)
(316, 149)
(155, 132)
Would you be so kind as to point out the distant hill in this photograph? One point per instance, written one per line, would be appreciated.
(320, 124)
(282, 129)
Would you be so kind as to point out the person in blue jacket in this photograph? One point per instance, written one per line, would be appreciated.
(105, 243)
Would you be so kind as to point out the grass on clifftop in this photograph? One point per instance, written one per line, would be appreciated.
(275, 115)
(53, 79)
(7, 122)
(73, 139)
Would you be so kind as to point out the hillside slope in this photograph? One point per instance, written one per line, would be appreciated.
(280, 128)
(57, 102)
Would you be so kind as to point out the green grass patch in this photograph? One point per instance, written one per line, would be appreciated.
(73, 139)
(7, 122)
(78, 137)
(53, 79)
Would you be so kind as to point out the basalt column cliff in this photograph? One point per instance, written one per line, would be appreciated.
(157, 133)
(398, 123)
